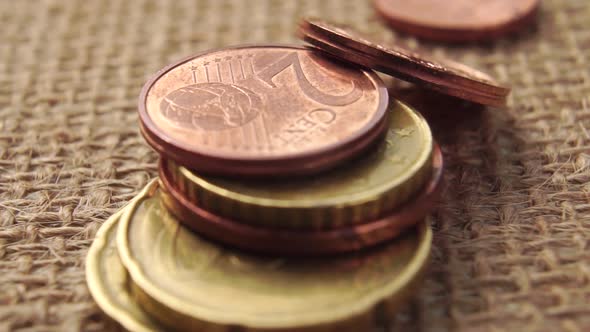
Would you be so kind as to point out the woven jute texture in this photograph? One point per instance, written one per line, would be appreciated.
(511, 249)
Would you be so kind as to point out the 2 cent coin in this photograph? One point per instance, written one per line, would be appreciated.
(262, 111)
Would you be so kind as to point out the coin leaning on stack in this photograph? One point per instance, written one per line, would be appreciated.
(293, 193)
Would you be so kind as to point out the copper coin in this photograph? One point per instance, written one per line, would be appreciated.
(262, 111)
(443, 75)
(290, 242)
(458, 20)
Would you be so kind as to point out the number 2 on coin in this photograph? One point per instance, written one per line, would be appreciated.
(292, 59)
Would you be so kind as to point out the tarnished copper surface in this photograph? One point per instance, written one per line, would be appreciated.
(457, 20)
(262, 111)
(289, 242)
(443, 75)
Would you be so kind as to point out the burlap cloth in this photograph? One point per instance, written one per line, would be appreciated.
(512, 236)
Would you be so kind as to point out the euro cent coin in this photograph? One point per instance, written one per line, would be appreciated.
(458, 20)
(189, 283)
(301, 243)
(444, 75)
(362, 190)
(107, 281)
(262, 111)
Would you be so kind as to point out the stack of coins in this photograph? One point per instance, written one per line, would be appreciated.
(293, 192)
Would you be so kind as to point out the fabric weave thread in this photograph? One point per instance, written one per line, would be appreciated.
(512, 235)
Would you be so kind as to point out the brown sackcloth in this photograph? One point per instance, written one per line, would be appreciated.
(512, 236)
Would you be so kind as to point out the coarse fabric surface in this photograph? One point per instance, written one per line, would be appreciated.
(511, 249)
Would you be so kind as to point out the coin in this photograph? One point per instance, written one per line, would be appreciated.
(458, 20)
(297, 242)
(363, 189)
(262, 111)
(108, 281)
(443, 75)
(189, 283)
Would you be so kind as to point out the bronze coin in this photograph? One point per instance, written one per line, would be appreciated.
(262, 111)
(458, 20)
(443, 75)
(293, 242)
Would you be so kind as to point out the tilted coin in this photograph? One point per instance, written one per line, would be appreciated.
(108, 281)
(301, 242)
(443, 75)
(458, 20)
(262, 111)
(189, 283)
(362, 190)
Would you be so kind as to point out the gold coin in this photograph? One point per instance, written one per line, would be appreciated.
(108, 281)
(360, 191)
(189, 283)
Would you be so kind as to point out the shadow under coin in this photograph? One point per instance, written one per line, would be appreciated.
(484, 192)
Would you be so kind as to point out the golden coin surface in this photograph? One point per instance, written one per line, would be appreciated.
(357, 192)
(108, 281)
(190, 283)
